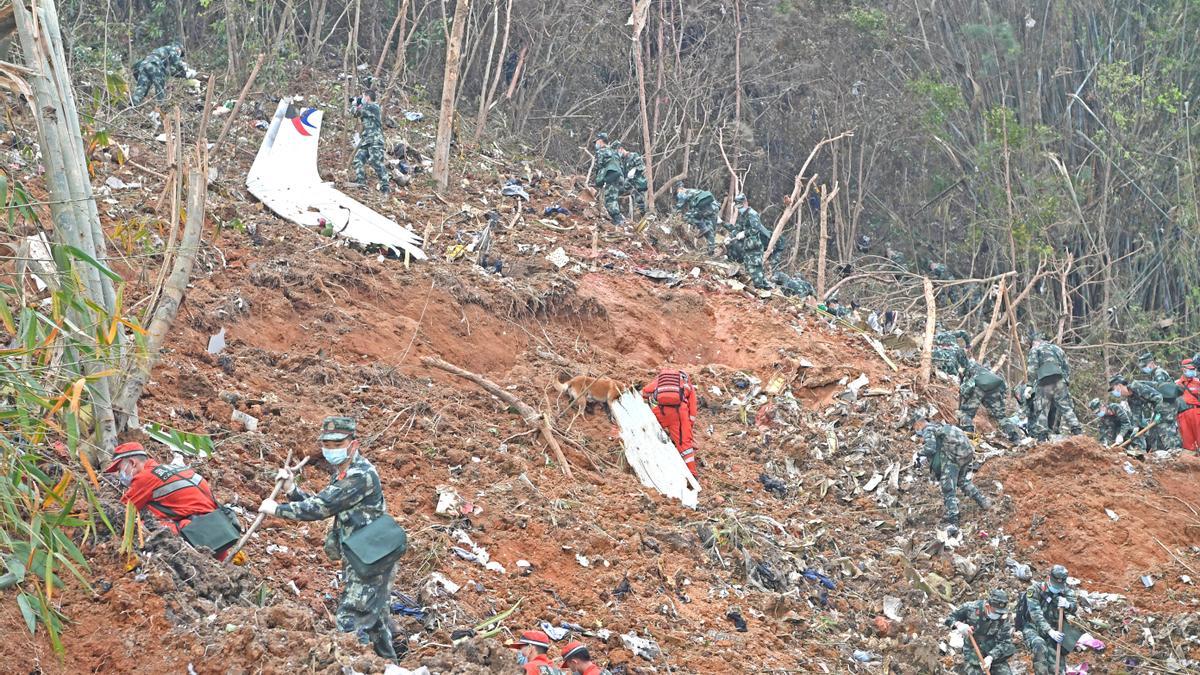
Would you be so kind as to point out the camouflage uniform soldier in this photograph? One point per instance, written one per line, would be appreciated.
(370, 145)
(753, 237)
(950, 454)
(354, 499)
(1114, 420)
(990, 624)
(699, 209)
(1146, 404)
(634, 168)
(166, 61)
(1050, 376)
(1038, 621)
(609, 177)
(795, 286)
(948, 355)
(1150, 367)
(1167, 429)
(981, 385)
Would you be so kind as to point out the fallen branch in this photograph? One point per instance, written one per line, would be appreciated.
(530, 416)
(878, 347)
(796, 194)
(237, 104)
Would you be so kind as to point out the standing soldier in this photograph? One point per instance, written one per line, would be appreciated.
(950, 455)
(354, 500)
(982, 386)
(699, 209)
(1114, 421)
(166, 61)
(1050, 377)
(1041, 619)
(609, 177)
(986, 625)
(634, 168)
(370, 145)
(753, 238)
(1145, 402)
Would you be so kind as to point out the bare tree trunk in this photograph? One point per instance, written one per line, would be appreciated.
(737, 103)
(401, 14)
(1001, 294)
(647, 141)
(822, 241)
(516, 78)
(238, 104)
(350, 58)
(72, 204)
(172, 293)
(484, 101)
(441, 150)
(797, 190)
(930, 322)
(314, 31)
(1065, 318)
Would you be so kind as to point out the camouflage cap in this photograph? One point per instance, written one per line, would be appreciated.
(601, 136)
(1118, 379)
(1094, 404)
(616, 145)
(998, 599)
(1145, 358)
(739, 199)
(336, 428)
(1059, 574)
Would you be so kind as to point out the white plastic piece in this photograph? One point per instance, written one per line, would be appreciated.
(651, 454)
(284, 177)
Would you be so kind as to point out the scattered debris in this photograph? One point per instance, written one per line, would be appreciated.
(646, 648)
(216, 342)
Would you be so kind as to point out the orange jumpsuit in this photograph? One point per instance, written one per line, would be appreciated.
(677, 420)
(1189, 420)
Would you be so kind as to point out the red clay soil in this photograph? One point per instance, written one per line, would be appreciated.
(1059, 494)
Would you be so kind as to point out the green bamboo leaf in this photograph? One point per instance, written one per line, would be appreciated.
(28, 611)
(80, 255)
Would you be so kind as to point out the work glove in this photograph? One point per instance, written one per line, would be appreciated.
(270, 506)
(963, 628)
(1064, 603)
(1057, 636)
(288, 478)
(190, 72)
(630, 174)
(740, 235)
(987, 663)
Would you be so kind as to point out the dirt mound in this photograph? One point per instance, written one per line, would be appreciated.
(1061, 495)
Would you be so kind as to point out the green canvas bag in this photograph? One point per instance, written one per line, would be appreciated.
(374, 548)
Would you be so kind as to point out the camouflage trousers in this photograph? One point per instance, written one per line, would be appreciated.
(706, 224)
(372, 154)
(638, 194)
(953, 479)
(612, 197)
(1165, 434)
(971, 665)
(969, 401)
(752, 261)
(1043, 650)
(144, 78)
(363, 609)
(1057, 396)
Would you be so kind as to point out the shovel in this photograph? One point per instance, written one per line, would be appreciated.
(978, 653)
(259, 518)
(1140, 432)
(1058, 651)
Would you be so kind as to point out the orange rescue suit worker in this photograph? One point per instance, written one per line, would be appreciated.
(173, 494)
(1189, 414)
(673, 399)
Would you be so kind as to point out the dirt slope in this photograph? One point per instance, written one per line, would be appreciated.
(314, 329)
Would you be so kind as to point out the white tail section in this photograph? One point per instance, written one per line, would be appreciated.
(650, 452)
(284, 177)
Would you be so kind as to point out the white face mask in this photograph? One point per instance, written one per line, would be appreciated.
(993, 615)
(336, 456)
(125, 477)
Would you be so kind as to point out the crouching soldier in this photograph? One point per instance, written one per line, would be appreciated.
(363, 536)
(983, 386)
(1041, 618)
(987, 627)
